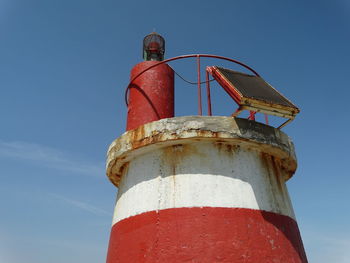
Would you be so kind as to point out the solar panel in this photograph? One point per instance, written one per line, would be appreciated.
(253, 93)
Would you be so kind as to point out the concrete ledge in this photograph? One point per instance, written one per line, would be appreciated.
(189, 129)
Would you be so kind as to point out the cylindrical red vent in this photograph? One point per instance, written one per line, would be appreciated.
(151, 95)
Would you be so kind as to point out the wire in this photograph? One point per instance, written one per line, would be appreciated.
(187, 56)
(190, 82)
(177, 74)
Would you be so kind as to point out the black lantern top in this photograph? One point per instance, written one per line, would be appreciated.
(153, 47)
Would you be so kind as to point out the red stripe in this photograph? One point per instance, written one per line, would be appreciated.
(206, 235)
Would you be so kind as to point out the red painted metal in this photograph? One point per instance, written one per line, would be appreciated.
(231, 92)
(202, 235)
(199, 85)
(153, 100)
(183, 57)
(151, 94)
(224, 84)
(266, 119)
(251, 115)
(208, 92)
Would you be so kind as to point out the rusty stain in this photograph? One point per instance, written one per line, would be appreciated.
(137, 135)
(276, 164)
(114, 178)
(230, 148)
(174, 154)
(123, 168)
(206, 133)
(122, 171)
(267, 162)
(288, 167)
(226, 147)
(228, 140)
(276, 173)
(138, 139)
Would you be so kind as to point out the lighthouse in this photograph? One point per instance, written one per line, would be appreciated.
(202, 188)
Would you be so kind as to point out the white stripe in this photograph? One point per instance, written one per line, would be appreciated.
(202, 174)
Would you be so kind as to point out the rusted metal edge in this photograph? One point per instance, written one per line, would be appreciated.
(284, 123)
(258, 105)
(270, 106)
(199, 129)
(282, 114)
(254, 105)
(235, 94)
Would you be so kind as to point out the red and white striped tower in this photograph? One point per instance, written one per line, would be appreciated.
(202, 189)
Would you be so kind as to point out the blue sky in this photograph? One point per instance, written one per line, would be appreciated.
(64, 66)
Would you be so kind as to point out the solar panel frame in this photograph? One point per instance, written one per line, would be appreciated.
(253, 93)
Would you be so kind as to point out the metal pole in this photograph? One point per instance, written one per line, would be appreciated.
(199, 86)
(266, 119)
(208, 92)
(251, 115)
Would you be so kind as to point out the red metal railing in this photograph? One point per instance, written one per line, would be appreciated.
(197, 56)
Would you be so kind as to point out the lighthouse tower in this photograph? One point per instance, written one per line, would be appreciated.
(202, 188)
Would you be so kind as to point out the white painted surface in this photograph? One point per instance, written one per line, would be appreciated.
(184, 130)
(201, 174)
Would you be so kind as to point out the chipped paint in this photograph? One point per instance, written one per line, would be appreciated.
(203, 189)
(234, 132)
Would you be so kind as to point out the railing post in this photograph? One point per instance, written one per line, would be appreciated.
(266, 119)
(199, 86)
(182, 57)
(251, 115)
(208, 92)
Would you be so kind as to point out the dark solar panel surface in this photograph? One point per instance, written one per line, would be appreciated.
(254, 87)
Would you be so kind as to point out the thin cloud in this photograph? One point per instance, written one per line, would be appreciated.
(81, 205)
(49, 157)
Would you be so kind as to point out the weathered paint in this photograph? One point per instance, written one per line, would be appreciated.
(151, 94)
(202, 174)
(196, 186)
(184, 130)
(206, 235)
(272, 107)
